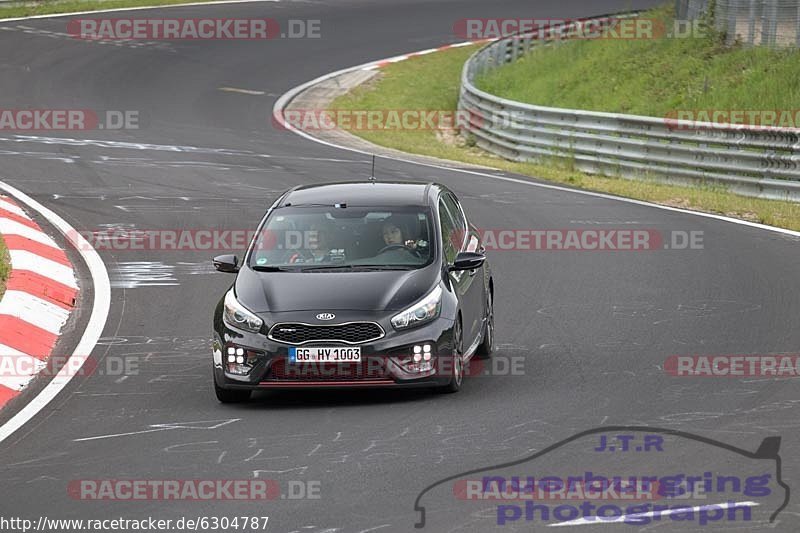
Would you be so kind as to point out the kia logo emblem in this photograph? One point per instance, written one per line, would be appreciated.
(326, 316)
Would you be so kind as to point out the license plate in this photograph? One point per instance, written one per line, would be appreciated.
(321, 354)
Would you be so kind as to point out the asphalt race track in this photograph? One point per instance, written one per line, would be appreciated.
(592, 329)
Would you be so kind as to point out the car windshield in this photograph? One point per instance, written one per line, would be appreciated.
(350, 238)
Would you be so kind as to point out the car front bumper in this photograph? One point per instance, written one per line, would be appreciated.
(385, 362)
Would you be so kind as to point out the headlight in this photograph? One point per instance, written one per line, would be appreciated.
(423, 311)
(236, 316)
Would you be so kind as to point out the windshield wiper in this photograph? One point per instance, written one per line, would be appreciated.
(387, 267)
(268, 268)
(355, 267)
(326, 267)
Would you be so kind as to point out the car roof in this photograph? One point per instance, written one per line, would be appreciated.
(362, 194)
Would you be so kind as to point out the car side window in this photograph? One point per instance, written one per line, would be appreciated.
(458, 218)
(449, 234)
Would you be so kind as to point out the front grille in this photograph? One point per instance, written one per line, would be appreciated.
(350, 333)
(368, 369)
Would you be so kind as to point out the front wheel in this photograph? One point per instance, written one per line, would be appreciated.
(486, 349)
(458, 361)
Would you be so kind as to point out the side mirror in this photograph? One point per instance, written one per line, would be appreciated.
(227, 263)
(468, 261)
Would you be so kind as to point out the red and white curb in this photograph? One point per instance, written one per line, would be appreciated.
(396, 59)
(40, 294)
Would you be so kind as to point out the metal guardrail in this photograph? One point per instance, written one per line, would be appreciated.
(763, 162)
(774, 23)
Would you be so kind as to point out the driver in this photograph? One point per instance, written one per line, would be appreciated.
(393, 233)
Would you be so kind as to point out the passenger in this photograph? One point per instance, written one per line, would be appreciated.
(319, 242)
(321, 250)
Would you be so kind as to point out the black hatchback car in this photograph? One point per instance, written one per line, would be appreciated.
(357, 284)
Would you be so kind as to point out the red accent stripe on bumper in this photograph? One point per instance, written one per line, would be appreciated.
(302, 384)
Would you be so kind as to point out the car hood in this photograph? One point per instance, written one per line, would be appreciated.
(278, 292)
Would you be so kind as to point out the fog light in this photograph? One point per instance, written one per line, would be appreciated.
(421, 360)
(240, 360)
(419, 368)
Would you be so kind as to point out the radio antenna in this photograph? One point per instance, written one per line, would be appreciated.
(372, 174)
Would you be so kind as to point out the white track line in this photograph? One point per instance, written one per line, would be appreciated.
(100, 307)
(139, 8)
(288, 96)
(249, 92)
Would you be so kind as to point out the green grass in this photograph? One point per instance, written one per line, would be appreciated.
(652, 77)
(5, 266)
(431, 82)
(52, 7)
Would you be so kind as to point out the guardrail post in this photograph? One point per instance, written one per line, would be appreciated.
(797, 28)
(695, 9)
(751, 23)
(721, 16)
(769, 23)
(733, 20)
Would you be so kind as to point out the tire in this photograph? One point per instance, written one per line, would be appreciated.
(458, 364)
(230, 395)
(486, 349)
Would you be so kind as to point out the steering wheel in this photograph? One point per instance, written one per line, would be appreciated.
(398, 247)
(300, 256)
